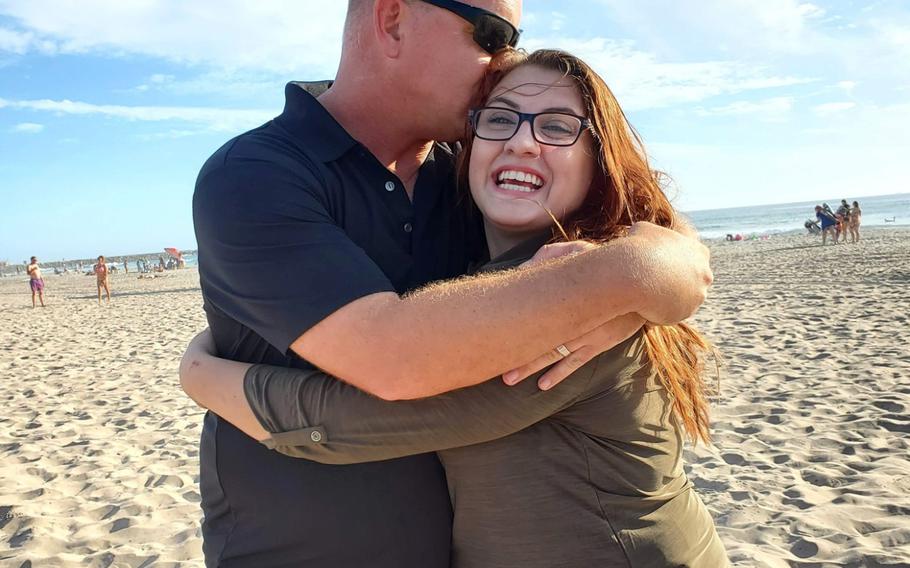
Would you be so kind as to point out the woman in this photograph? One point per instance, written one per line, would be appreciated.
(101, 279)
(588, 474)
(856, 218)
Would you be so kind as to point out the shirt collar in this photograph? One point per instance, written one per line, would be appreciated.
(317, 130)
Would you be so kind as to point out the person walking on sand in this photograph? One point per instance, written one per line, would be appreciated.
(35, 281)
(101, 273)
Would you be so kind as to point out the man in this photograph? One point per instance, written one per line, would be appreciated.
(349, 204)
(827, 221)
(35, 281)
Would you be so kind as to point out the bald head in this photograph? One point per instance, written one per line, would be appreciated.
(419, 60)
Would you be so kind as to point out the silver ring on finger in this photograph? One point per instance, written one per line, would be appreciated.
(563, 350)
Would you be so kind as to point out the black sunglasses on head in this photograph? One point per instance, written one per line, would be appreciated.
(491, 32)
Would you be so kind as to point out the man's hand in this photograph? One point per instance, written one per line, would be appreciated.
(673, 270)
(558, 250)
(582, 350)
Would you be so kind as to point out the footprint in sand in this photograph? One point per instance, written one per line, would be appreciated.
(733, 459)
(888, 406)
(804, 548)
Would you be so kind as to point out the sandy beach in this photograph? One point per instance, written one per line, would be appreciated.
(810, 466)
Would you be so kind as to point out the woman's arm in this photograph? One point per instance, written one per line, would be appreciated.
(317, 417)
(217, 385)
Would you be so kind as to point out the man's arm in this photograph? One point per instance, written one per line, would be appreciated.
(453, 334)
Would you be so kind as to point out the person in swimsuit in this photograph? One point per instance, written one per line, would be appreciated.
(856, 218)
(587, 474)
(35, 281)
(102, 280)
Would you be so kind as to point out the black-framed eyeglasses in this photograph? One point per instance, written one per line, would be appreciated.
(549, 128)
(491, 32)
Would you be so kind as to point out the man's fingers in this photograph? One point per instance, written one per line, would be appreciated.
(566, 367)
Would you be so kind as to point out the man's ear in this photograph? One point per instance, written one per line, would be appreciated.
(387, 19)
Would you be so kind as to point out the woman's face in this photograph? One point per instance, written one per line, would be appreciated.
(510, 179)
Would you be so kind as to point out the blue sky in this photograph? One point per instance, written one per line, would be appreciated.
(109, 107)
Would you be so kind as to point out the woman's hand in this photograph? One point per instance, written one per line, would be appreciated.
(581, 350)
(217, 384)
(201, 347)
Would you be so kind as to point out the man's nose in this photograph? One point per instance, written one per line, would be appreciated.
(523, 142)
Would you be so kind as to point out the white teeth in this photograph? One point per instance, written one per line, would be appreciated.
(523, 177)
(512, 187)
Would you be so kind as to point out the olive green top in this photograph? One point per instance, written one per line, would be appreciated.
(586, 474)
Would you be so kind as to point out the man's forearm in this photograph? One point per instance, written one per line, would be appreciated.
(458, 333)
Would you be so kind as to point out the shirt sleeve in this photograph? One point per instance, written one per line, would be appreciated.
(315, 416)
(271, 254)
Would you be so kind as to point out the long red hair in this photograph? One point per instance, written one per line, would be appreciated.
(625, 190)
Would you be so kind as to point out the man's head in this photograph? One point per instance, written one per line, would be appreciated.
(422, 56)
(34, 260)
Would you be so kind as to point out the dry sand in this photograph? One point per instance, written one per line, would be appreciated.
(98, 447)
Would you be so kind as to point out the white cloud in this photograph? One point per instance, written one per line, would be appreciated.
(770, 109)
(832, 108)
(20, 42)
(28, 128)
(847, 86)
(220, 120)
(557, 21)
(640, 81)
(752, 25)
(274, 35)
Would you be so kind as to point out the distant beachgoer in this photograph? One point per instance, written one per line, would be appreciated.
(828, 222)
(126, 267)
(843, 221)
(101, 273)
(35, 281)
(856, 218)
(161, 264)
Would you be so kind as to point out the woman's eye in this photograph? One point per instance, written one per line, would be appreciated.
(557, 127)
(501, 119)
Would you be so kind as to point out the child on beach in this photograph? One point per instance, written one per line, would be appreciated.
(101, 274)
(35, 281)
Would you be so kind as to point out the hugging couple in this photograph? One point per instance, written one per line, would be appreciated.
(445, 298)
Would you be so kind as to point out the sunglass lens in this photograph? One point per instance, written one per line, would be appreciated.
(494, 34)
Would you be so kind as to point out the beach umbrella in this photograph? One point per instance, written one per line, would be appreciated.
(173, 252)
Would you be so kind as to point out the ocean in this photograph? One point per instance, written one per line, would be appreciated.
(790, 217)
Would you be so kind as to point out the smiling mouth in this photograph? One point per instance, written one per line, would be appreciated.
(523, 182)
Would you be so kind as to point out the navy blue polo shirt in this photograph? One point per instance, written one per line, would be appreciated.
(294, 220)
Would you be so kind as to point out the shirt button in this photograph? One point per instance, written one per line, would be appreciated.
(316, 436)
(390, 186)
(408, 228)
